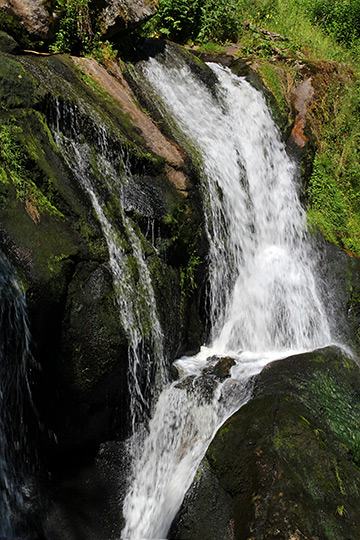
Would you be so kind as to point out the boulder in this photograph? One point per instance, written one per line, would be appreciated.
(286, 465)
(35, 16)
(8, 44)
(51, 234)
(119, 15)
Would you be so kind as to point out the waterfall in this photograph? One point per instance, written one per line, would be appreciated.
(98, 164)
(265, 302)
(16, 363)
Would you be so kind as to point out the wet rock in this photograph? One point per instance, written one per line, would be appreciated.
(220, 367)
(205, 384)
(286, 465)
(17, 89)
(50, 232)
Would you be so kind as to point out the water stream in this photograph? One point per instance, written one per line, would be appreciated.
(16, 363)
(98, 164)
(265, 302)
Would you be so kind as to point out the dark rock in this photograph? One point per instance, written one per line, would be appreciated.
(220, 367)
(50, 233)
(205, 384)
(286, 465)
(340, 270)
(85, 504)
(8, 44)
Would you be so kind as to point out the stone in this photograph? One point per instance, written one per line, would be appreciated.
(35, 15)
(286, 465)
(119, 15)
(8, 44)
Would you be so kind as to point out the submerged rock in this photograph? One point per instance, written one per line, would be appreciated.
(286, 465)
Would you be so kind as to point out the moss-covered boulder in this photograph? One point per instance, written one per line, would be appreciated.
(286, 465)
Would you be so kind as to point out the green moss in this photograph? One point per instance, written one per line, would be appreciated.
(275, 79)
(341, 410)
(17, 87)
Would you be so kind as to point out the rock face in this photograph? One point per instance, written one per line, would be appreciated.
(286, 465)
(41, 19)
(51, 233)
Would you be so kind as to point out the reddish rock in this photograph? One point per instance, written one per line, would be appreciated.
(303, 95)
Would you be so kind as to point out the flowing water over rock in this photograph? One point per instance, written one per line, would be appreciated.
(99, 165)
(16, 363)
(265, 303)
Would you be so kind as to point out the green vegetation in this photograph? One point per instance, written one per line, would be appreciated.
(76, 33)
(303, 22)
(14, 167)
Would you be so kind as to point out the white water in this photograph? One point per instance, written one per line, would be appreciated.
(131, 276)
(264, 299)
(16, 363)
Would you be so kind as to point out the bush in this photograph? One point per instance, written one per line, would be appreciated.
(219, 20)
(177, 20)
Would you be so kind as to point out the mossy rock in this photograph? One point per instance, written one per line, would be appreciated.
(8, 44)
(17, 88)
(286, 464)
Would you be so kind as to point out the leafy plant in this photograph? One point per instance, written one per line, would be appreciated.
(177, 20)
(75, 33)
(219, 21)
(341, 18)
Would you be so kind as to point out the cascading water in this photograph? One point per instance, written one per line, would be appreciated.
(265, 303)
(16, 363)
(131, 276)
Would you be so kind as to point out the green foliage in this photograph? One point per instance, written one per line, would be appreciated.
(199, 20)
(75, 33)
(177, 20)
(341, 18)
(219, 20)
